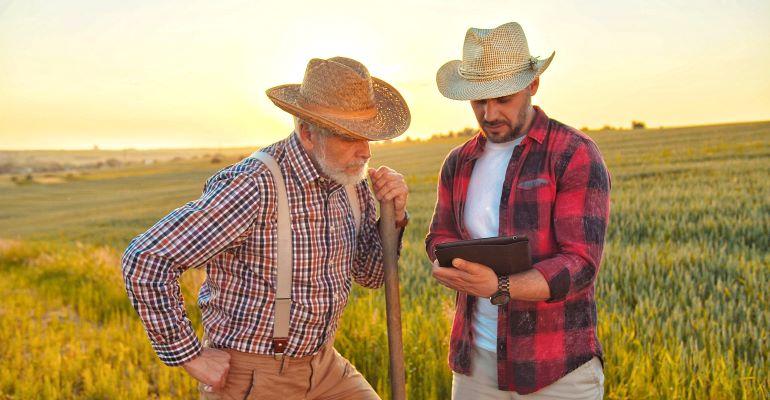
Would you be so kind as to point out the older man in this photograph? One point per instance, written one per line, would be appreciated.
(530, 335)
(273, 296)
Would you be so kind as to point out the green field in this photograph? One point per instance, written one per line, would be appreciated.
(684, 310)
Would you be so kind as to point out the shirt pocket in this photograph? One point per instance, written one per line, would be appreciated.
(532, 203)
(533, 183)
(535, 189)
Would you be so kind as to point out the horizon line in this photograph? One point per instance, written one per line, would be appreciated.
(404, 138)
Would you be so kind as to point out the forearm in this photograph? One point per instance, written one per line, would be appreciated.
(528, 286)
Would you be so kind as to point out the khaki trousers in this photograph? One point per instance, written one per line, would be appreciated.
(586, 382)
(323, 376)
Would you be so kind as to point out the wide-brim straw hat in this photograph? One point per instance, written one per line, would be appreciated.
(496, 63)
(340, 95)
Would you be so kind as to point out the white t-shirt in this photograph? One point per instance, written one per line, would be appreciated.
(481, 218)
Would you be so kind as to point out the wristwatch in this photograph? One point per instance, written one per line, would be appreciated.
(501, 296)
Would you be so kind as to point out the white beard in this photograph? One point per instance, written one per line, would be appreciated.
(338, 174)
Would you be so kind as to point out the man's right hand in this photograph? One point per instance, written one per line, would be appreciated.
(209, 368)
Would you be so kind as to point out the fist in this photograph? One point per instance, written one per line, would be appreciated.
(209, 368)
(387, 185)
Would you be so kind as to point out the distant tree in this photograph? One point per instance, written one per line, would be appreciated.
(584, 129)
(467, 132)
(638, 125)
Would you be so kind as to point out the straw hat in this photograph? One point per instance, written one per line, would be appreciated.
(339, 94)
(496, 63)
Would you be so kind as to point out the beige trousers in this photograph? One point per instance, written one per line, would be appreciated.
(324, 376)
(584, 383)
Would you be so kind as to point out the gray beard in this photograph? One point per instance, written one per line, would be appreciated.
(337, 174)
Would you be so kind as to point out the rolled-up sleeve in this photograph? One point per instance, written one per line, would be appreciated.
(580, 216)
(186, 237)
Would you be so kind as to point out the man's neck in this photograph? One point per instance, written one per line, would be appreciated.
(528, 124)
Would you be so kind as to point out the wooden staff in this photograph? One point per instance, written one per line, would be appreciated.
(389, 238)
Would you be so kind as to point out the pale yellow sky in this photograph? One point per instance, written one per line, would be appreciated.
(147, 74)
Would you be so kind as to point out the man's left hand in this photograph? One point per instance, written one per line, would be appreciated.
(469, 277)
(388, 184)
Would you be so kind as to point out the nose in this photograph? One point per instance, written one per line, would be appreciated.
(491, 111)
(362, 150)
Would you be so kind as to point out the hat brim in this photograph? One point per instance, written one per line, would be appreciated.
(454, 86)
(390, 121)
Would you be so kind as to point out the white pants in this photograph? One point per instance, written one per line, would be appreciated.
(585, 382)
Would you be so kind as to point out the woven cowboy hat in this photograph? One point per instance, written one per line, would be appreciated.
(339, 94)
(496, 63)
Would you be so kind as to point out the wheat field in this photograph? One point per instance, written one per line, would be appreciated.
(684, 310)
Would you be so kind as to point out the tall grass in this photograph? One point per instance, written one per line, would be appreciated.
(683, 307)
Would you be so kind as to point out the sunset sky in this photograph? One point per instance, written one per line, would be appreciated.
(148, 74)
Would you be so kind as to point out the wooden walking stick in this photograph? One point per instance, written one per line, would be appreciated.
(389, 238)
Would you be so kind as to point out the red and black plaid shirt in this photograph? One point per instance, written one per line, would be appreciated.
(556, 191)
(231, 229)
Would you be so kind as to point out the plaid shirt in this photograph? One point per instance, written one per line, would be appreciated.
(556, 192)
(231, 229)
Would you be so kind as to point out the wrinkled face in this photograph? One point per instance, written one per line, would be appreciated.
(338, 157)
(505, 118)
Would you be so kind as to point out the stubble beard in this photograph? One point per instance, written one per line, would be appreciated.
(514, 131)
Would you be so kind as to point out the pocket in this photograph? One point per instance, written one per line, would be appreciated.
(592, 379)
(596, 366)
(249, 391)
(585, 376)
(533, 183)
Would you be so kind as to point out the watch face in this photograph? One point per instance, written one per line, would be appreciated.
(499, 298)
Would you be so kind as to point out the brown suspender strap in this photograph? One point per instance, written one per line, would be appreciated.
(282, 306)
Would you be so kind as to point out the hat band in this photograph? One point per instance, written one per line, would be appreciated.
(367, 113)
(485, 75)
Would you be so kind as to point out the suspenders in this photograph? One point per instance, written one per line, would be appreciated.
(282, 306)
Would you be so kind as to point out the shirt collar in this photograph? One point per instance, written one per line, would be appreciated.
(539, 125)
(537, 132)
(300, 162)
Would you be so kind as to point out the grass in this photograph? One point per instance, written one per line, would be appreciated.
(683, 306)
